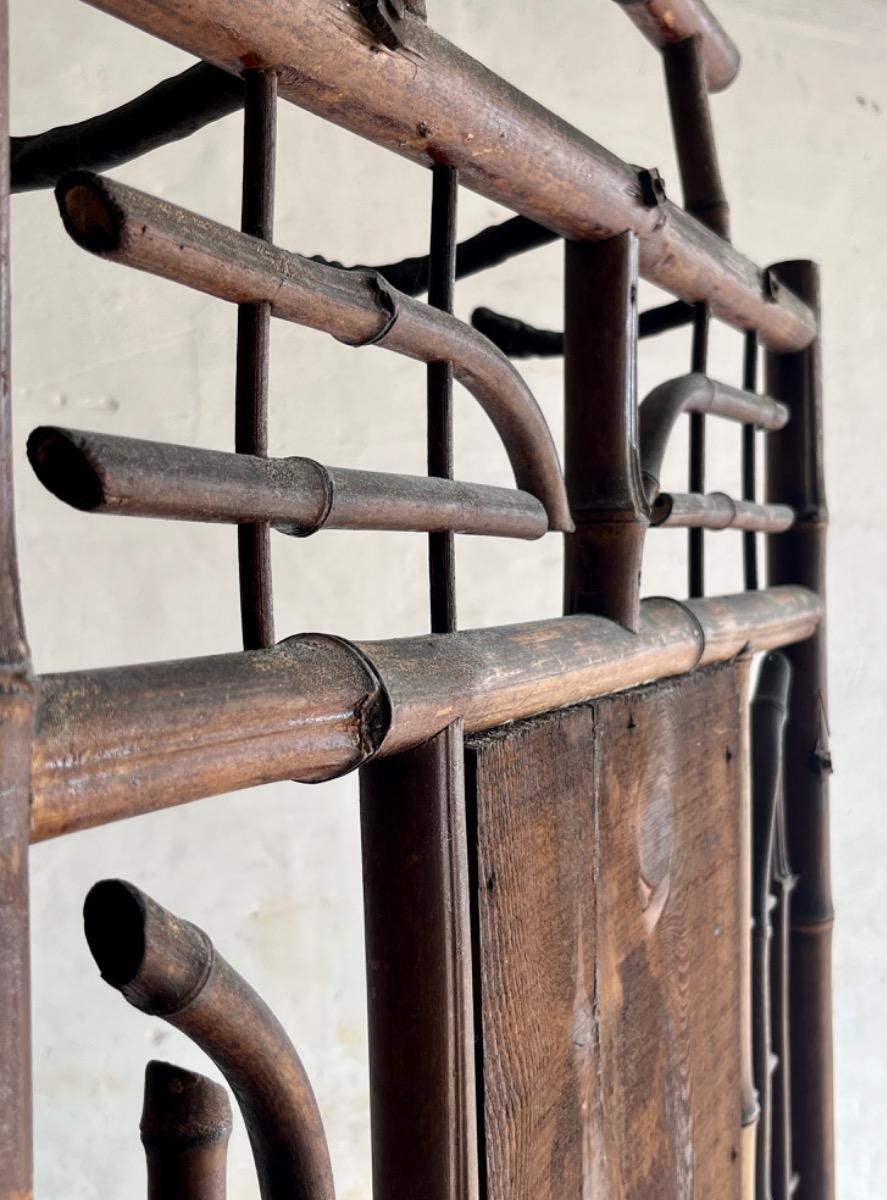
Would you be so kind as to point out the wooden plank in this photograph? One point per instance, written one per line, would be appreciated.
(607, 885)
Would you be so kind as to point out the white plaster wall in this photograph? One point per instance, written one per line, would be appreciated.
(274, 873)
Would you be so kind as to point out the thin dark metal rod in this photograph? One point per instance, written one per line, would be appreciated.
(749, 462)
(544, 169)
(357, 307)
(169, 968)
(170, 111)
(717, 511)
(102, 473)
(253, 345)
(441, 278)
(663, 22)
(185, 1127)
(517, 339)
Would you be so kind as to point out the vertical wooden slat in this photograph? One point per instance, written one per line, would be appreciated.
(602, 559)
(419, 973)
(795, 476)
(16, 728)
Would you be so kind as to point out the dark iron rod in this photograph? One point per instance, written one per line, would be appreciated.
(170, 111)
(253, 348)
(795, 476)
(664, 22)
(583, 192)
(441, 279)
(103, 473)
(185, 1127)
(602, 558)
(116, 742)
(661, 408)
(169, 968)
(125, 225)
(749, 462)
(517, 339)
(715, 510)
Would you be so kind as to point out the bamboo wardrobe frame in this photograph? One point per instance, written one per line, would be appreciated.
(311, 707)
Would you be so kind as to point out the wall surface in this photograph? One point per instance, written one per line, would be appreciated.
(274, 874)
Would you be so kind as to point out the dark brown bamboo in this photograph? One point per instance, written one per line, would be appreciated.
(517, 339)
(185, 1127)
(17, 703)
(795, 476)
(173, 109)
(125, 225)
(419, 982)
(602, 558)
(783, 1176)
(543, 168)
(769, 712)
(696, 393)
(441, 279)
(253, 348)
(749, 462)
(116, 742)
(169, 968)
(715, 511)
(696, 473)
(664, 22)
(103, 473)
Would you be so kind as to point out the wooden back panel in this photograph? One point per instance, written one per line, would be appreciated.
(607, 901)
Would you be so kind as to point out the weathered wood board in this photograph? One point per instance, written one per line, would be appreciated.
(607, 906)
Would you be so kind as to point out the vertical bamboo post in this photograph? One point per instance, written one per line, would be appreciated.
(253, 347)
(185, 1126)
(423, 1109)
(795, 476)
(16, 729)
(602, 559)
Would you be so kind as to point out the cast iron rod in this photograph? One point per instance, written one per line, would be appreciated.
(103, 473)
(125, 225)
(749, 462)
(602, 558)
(676, 510)
(424, 103)
(253, 348)
(441, 279)
(517, 339)
(696, 393)
(173, 109)
(795, 476)
(169, 968)
(769, 711)
(664, 22)
(185, 1127)
(116, 742)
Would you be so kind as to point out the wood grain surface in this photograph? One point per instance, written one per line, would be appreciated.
(606, 890)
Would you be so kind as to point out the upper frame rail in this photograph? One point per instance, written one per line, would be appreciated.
(431, 102)
(664, 22)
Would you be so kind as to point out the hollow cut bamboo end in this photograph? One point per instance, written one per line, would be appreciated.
(63, 466)
(89, 213)
(183, 1109)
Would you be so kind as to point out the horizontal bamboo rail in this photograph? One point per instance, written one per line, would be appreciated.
(664, 22)
(132, 477)
(173, 109)
(169, 968)
(517, 339)
(117, 742)
(430, 102)
(696, 393)
(678, 510)
(119, 223)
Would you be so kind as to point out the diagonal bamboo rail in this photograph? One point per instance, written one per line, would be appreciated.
(126, 740)
(431, 102)
(665, 22)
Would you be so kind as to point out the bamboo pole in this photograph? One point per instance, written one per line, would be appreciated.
(665, 22)
(103, 473)
(676, 510)
(119, 223)
(168, 968)
(795, 476)
(116, 742)
(185, 1127)
(431, 102)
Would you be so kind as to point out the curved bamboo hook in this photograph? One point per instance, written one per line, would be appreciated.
(169, 968)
